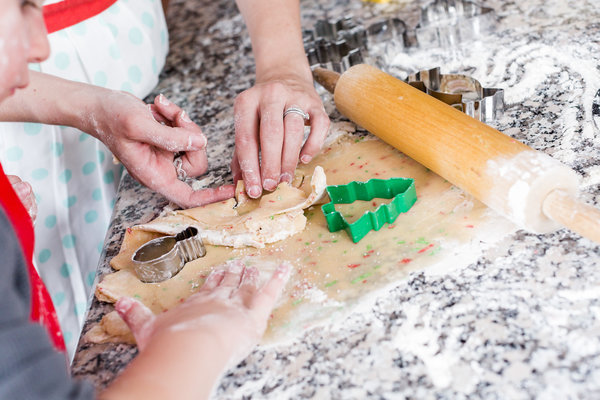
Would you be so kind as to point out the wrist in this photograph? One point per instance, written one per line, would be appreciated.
(293, 67)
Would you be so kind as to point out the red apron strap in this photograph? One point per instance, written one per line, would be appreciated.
(42, 308)
(67, 13)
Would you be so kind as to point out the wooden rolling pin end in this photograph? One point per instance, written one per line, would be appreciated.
(566, 209)
(326, 78)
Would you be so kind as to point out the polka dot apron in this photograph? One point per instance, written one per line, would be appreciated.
(122, 47)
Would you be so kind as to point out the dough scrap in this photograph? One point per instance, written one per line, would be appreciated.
(111, 329)
(245, 222)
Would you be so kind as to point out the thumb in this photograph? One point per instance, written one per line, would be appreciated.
(138, 318)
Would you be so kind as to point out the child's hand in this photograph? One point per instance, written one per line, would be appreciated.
(229, 308)
(261, 127)
(145, 139)
(25, 193)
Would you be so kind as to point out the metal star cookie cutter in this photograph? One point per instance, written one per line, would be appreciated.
(162, 258)
(400, 190)
(462, 92)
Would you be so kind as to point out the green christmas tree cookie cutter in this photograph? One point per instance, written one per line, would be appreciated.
(400, 190)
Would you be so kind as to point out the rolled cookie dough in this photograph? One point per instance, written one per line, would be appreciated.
(332, 276)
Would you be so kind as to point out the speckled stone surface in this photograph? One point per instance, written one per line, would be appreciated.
(522, 322)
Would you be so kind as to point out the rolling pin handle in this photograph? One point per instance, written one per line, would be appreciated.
(326, 78)
(573, 213)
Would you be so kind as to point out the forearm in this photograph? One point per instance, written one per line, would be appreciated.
(275, 32)
(181, 365)
(54, 101)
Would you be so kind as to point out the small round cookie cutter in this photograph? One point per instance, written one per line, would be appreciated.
(162, 258)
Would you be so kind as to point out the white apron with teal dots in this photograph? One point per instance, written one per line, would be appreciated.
(72, 174)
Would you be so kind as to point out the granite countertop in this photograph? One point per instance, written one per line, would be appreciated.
(521, 322)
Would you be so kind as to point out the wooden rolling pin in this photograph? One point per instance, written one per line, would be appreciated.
(529, 187)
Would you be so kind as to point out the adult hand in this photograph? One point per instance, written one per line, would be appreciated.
(145, 138)
(25, 193)
(261, 128)
(230, 307)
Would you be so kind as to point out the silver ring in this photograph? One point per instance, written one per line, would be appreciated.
(296, 110)
(181, 174)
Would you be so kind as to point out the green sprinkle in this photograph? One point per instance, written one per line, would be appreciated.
(272, 217)
(319, 248)
(361, 278)
(331, 283)
(164, 289)
(306, 243)
(401, 242)
(137, 296)
(296, 302)
(377, 267)
(334, 241)
(366, 170)
(369, 247)
(320, 235)
(358, 157)
(422, 240)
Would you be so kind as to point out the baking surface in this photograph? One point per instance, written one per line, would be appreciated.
(522, 321)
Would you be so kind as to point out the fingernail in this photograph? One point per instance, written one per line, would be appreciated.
(235, 267)
(270, 184)
(285, 177)
(283, 271)
(254, 191)
(23, 189)
(305, 159)
(123, 305)
(184, 117)
(163, 100)
(198, 141)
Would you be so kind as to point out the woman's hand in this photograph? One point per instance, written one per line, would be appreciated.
(261, 128)
(145, 138)
(25, 193)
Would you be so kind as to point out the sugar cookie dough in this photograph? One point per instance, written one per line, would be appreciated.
(332, 276)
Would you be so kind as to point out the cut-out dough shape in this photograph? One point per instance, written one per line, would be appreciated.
(245, 222)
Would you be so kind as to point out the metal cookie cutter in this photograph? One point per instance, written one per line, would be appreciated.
(400, 190)
(461, 92)
(445, 23)
(162, 258)
(335, 44)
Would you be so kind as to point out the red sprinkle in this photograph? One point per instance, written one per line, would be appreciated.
(352, 266)
(129, 230)
(424, 249)
(374, 204)
(406, 260)
(351, 164)
(392, 226)
(368, 253)
(469, 226)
